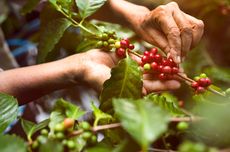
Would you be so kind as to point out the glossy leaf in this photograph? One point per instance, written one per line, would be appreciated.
(30, 128)
(125, 82)
(167, 102)
(88, 7)
(100, 115)
(50, 36)
(86, 45)
(10, 143)
(8, 110)
(144, 121)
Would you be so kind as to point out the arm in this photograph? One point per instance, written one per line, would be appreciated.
(30, 83)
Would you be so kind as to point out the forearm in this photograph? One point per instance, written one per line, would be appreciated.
(30, 83)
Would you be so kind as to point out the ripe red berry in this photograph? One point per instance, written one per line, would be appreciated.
(167, 69)
(151, 57)
(160, 67)
(127, 40)
(208, 81)
(202, 82)
(120, 52)
(171, 62)
(157, 58)
(146, 53)
(195, 85)
(164, 62)
(145, 59)
(68, 123)
(200, 89)
(131, 46)
(154, 50)
(175, 70)
(124, 44)
(154, 66)
(181, 103)
(162, 76)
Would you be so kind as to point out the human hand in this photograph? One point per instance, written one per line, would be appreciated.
(169, 28)
(97, 66)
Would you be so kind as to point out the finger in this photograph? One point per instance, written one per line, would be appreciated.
(185, 28)
(154, 86)
(197, 28)
(168, 25)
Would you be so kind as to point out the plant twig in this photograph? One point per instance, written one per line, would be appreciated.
(186, 119)
(161, 150)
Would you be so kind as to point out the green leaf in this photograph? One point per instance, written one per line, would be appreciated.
(9, 143)
(51, 146)
(142, 120)
(50, 36)
(62, 110)
(125, 82)
(29, 6)
(167, 102)
(86, 45)
(30, 128)
(99, 115)
(218, 73)
(88, 7)
(8, 111)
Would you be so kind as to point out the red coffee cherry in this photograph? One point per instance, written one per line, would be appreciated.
(195, 85)
(154, 50)
(202, 82)
(151, 56)
(200, 89)
(175, 70)
(154, 66)
(162, 76)
(157, 58)
(146, 53)
(145, 59)
(208, 81)
(124, 44)
(167, 69)
(120, 52)
(160, 67)
(131, 46)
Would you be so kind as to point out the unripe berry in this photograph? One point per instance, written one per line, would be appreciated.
(105, 43)
(68, 123)
(154, 50)
(167, 69)
(120, 52)
(93, 139)
(200, 89)
(154, 66)
(60, 135)
(86, 135)
(111, 41)
(71, 144)
(59, 127)
(196, 78)
(162, 76)
(35, 144)
(124, 44)
(99, 44)
(182, 126)
(105, 36)
(117, 45)
(203, 75)
(85, 125)
(195, 85)
(131, 46)
(175, 70)
(44, 132)
(147, 67)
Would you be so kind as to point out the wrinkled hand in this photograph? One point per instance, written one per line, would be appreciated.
(169, 28)
(98, 64)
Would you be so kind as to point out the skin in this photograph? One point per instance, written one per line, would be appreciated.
(166, 26)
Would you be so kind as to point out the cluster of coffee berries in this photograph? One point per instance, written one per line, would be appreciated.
(107, 40)
(87, 135)
(122, 46)
(161, 66)
(201, 83)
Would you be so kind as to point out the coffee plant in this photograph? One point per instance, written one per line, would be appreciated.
(125, 121)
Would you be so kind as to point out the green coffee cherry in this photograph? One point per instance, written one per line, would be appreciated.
(64, 142)
(85, 125)
(60, 135)
(86, 135)
(99, 44)
(203, 75)
(41, 139)
(147, 67)
(93, 139)
(182, 126)
(71, 144)
(44, 132)
(111, 41)
(111, 33)
(105, 43)
(105, 36)
(197, 78)
(59, 127)
(35, 144)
